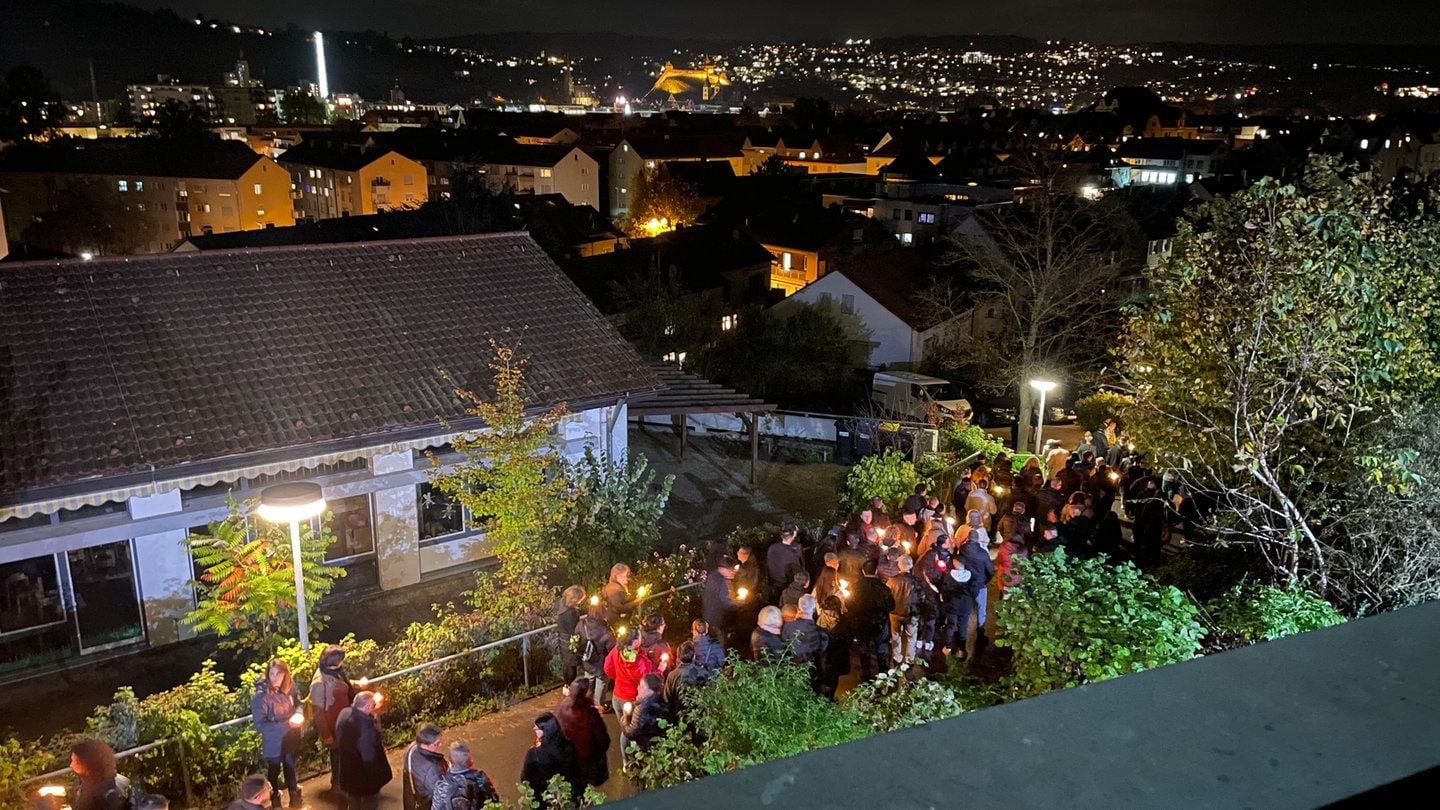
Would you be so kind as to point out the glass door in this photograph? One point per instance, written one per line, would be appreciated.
(107, 599)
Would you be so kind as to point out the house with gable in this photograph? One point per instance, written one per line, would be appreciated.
(139, 393)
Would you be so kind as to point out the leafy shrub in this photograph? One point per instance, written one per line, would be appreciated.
(1079, 622)
(20, 761)
(889, 476)
(614, 513)
(1206, 572)
(681, 567)
(750, 714)
(1101, 405)
(968, 439)
(892, 701)
(1253, 612)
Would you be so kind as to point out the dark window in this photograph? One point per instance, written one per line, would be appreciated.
(107, 605)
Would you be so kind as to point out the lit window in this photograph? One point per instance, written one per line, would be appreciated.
(926, 218)
(260, 212)
(803, 155)
(545, 172)
(139, 185)
(786, 260)
(122, 185)
(729, 322)
(258, 190)
(207, 208)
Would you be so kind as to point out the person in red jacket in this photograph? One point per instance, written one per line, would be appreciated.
(625, 666)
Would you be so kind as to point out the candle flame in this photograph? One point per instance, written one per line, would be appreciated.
(742, 593)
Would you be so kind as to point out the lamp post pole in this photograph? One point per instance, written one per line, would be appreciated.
(1044, 387)
(299, 585)
(292, 503)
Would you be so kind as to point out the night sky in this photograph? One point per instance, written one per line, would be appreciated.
(1239, 21)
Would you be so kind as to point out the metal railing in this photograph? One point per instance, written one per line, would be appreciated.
(523, 638)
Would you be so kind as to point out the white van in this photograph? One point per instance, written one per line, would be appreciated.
(908, 395)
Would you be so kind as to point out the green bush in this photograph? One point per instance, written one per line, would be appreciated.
(969, 439)
(751, 714)
(1099, 406)
(614, 514)
(1252, 612)
(892, 701)
(1206, 572)
(1079, 622)
(889, 476)
(20, 761)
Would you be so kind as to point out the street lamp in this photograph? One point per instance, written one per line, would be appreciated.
(1044, 387)
(292, 503)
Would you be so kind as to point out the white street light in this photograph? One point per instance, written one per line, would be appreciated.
(1044, 387)
(292, 503)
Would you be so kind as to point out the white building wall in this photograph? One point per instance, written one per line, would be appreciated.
(891, 339)
(163, 571)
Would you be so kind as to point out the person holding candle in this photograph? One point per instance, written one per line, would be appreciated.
(275, 713)
(652, 641)
(364, 767)
(625, 666)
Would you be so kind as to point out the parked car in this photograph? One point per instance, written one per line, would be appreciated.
(998, 409)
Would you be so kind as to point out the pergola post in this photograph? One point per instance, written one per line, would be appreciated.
(754, 443)
(684, 433)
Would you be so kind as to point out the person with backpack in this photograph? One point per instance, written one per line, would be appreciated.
(462, 787)
(625, 666)
(595, 640)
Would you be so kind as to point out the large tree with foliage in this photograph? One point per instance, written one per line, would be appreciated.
(29, 106)
(90, 218)
(509, 479)
(795, 356)
(1046, 269)
(658, 197)
(1292, 328)
(246, 589)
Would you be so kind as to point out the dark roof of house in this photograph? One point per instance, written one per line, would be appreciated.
(522, 154)
(334, 154)
(801, 228)
(140, 157)
(702, 255)
(125, 369)
(895, 277)
(688, 145)
(711, 178)
(1168, 148)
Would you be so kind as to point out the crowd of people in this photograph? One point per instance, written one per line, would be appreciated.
(880, 589)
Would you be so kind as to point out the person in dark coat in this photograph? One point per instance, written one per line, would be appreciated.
(275, 713)
(462, 781)
(568, 622)
(851, 563)
(586, 731)
(975, 557)
(832, 618)
(782, 561)
(1148, 530)
(766, 646)
(616, 595)
(596, 640)
(716, 606)
(683, 678)
(421, 768)
(806, 641)
(709, 655)
(364, 768)
(330, 693)
(97, 787)
(552, 754)
(871, 604)
(917, 501)
(641, 723)
(799, 586)
(253, 793)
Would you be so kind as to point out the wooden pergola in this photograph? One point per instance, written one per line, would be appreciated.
(686, 394)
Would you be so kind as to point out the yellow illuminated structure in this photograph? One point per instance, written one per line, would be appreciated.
(706, 81)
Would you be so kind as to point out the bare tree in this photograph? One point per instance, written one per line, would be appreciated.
(1044, 268)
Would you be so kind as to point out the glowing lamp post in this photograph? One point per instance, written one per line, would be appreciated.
(292, 503)
(1044, 387)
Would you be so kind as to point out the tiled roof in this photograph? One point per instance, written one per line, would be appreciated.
(330, 154)
(895, 278)
(140, 157)
(120, 366)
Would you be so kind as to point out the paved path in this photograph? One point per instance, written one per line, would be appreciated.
(498, 743)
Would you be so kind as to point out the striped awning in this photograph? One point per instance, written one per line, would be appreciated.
(120, 494)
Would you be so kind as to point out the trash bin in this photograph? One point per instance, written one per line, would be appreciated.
(844, 446)
(864, 439)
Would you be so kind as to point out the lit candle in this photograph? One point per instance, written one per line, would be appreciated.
(52, 790)
(950, 521)
(379, 699)
(999, 490)
(640, 591)
(1114, 476)
(664, 660)
(595, 600)
(741, 593)
(297, 719)
(621, 630)
(628, 707)
(906, 545)
(364, 681)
